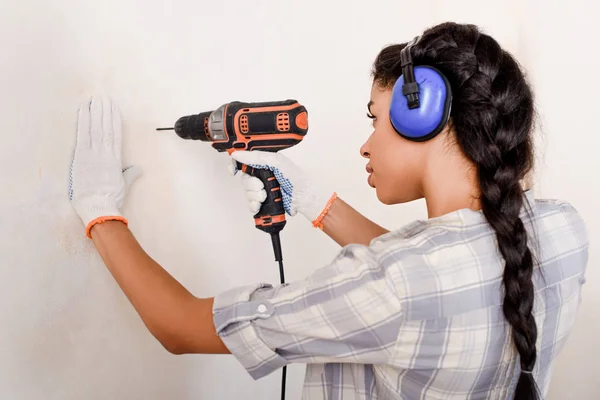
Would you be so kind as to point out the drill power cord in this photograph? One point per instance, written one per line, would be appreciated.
(279, 258)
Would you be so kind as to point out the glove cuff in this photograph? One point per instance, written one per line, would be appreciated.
(99, 220)
(318, 222)
(315, 204)
(95, 210)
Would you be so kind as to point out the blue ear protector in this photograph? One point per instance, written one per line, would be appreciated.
(421, 100)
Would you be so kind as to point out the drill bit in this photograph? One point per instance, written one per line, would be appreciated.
(165, 129)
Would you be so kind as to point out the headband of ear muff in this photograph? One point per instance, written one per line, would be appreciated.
(421, 99)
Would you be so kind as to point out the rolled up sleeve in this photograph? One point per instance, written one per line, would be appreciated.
(348, 311)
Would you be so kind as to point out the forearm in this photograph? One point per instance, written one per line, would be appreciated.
(345, 225)
(179, 320)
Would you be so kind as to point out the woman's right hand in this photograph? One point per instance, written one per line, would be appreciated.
(300, 194)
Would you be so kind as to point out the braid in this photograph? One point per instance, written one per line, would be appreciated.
(505, 136)
(492, 115)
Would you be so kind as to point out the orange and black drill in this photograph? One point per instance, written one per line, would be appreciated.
(238, 126)
(269, 126)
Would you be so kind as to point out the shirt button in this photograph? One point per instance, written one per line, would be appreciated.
(262, 308)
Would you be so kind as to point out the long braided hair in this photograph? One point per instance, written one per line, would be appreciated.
(492, 116)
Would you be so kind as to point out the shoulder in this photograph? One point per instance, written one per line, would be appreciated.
(561, 237)
(560, 230)
(555, 214)
(441, 267)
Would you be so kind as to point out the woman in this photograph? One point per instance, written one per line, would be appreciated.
(474, 302)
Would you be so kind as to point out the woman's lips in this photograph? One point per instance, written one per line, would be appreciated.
(370, 178)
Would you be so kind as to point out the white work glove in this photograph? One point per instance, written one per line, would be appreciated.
(300, 193)
(98, 183)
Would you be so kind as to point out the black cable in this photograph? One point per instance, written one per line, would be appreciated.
(279, 258)
(281, 276)
(284, 372)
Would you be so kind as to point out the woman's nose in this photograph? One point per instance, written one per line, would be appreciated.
(364, 150)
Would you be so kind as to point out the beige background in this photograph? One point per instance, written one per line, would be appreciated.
(66, 330)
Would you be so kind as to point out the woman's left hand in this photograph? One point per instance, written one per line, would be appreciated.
(98, 183)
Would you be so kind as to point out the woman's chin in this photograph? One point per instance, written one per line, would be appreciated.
(384, 197)
(393, 197)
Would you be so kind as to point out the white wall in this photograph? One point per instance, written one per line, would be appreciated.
(66, 330)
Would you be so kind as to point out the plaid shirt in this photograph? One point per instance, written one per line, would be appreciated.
(415, 315)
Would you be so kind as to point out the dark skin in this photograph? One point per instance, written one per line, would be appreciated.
(181, 322)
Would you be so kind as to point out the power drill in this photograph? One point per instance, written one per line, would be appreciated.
(266, 126)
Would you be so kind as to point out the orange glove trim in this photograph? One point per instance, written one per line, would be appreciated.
(318, 223)
(100, 220)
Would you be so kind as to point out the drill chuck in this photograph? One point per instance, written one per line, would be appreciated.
(207, 126)
(193, 127)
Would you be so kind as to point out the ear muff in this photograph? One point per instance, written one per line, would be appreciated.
(421, 100)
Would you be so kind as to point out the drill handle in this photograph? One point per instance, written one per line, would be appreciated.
(271, 216)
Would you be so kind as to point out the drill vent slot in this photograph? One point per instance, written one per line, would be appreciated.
(244, 123)
(206, 126)
(283, 122)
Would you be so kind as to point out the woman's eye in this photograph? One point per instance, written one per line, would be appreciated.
(371, 116)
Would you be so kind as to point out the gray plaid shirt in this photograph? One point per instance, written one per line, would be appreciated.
(415, 315)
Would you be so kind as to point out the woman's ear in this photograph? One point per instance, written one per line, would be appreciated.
(527, 181)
